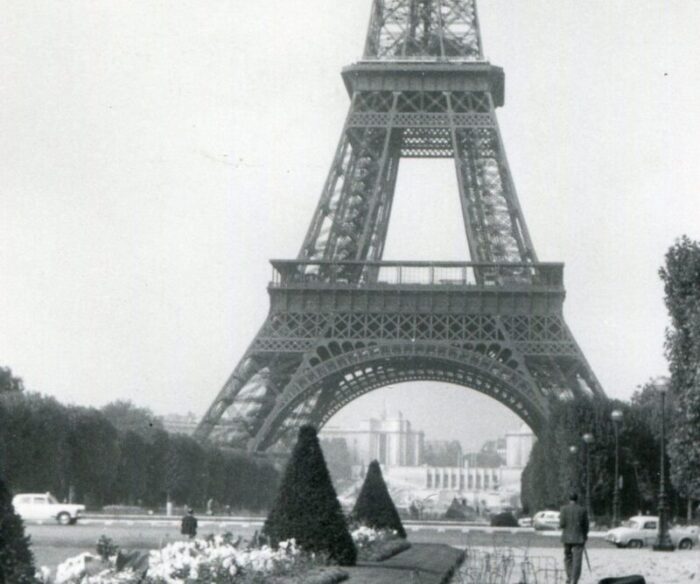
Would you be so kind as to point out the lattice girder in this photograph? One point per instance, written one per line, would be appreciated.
(342, 322)
(352, 217)
(424, 29)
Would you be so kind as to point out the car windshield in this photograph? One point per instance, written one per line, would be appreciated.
(52, 500)
(632, 524)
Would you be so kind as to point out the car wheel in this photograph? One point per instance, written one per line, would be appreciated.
(685, 544)
(64, 518)
(635, 544)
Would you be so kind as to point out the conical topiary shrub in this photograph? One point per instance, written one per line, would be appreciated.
(307, 508)
(374, 506)
(16, 559)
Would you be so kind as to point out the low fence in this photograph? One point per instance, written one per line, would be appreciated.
(508, 566)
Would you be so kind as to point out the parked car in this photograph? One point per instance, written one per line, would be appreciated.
(525, 522)
(42, 507)
(545, 520)
(642, 530)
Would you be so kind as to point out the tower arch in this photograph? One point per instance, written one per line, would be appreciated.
(349, 376)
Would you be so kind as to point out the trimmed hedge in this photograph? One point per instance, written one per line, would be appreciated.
(307, 508)
(374, 506)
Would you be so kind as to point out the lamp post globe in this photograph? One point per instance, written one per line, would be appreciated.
(616, 416)
(663, 539)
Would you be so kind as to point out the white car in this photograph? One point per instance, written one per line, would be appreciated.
(544, 520)
(42, 507)
(642, 531)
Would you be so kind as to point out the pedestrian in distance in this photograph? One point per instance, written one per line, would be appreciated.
(573, 520)
(188, 526)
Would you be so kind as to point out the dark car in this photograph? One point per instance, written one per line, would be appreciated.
(505, 519)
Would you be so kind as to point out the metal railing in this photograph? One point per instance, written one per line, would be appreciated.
(351, 274)
(422, 59)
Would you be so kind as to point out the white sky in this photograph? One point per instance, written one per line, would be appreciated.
(155, 155)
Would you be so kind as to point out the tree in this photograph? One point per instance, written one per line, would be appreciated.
(8, 382)
(553, 470)
(338, 459)
(374, 506)
(94, 455)
(131, 483)
(307, 508)
(681, 278)
(16, 559)
(34, 432)
(184, 470)
(126, 417)
(442, 453)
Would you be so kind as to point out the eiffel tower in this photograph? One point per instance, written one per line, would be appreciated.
(342, 322)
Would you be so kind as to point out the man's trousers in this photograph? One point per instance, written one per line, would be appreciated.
(573, 556)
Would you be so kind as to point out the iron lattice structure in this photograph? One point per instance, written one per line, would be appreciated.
(342, 322)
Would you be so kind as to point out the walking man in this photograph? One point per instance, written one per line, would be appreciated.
(573, 520)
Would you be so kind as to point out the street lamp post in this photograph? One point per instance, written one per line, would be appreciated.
(616, 416)
(573, 450)
(663, 539)
(588, 440)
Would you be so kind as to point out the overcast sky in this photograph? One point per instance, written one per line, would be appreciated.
(155, 155)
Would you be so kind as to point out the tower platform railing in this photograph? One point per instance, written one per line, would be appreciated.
(357, 274)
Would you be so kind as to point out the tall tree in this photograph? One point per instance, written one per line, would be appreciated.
(94, 455)
(126, 417)
(8, 382)
(338, 458)
(681, 277)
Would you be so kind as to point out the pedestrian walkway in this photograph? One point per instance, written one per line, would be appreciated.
(420, 564)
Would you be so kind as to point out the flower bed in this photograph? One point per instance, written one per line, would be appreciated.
(214, 560)
(375, 545)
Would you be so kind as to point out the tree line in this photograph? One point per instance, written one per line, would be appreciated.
(558, 461)
(120, 454)
(554, 469)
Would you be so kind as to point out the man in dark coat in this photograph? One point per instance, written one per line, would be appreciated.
(189, 524)
(573, 520)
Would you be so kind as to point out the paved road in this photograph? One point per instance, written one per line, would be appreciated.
(149, 532)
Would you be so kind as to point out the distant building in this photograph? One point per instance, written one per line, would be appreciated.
(390, 440)
(489, 477)
(180, 424)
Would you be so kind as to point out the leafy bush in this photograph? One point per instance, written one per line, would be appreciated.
(458, 511)
(376, 545)
(217, 559)
(16, 559)
(106, 548)
(506, 519)
(307, 508)
(374, 506)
